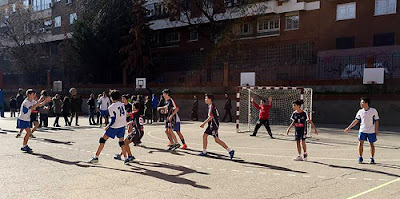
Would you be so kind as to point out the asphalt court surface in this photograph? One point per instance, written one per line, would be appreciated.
(262, 167)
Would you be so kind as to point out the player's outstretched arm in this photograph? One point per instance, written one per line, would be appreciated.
(351, 126)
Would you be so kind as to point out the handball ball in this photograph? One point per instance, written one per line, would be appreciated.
(73, 91)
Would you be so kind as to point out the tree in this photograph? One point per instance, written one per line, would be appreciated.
(137, 53)
(22, 36)
(97, 37)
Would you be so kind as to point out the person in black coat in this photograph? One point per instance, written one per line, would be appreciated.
(13, 106)
(92, 109)
(195, 109)
(75, 108)
(20, 98)
(66, 110)
(228, 107)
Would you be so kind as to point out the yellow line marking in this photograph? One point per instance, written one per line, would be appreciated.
(375, 188)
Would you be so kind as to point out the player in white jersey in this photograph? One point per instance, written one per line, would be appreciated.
(24, 117)
(369, 128)
(104, 102)
(116, 126)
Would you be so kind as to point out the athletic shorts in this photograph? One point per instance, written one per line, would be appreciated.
(21, 124)
(111, 132)
(213, 132)
(33, 117)
(135, 134)
(370, 136)
(300, 135)
(104, 113)
(175, 126)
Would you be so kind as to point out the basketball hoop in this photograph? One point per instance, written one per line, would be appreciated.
(140, 83)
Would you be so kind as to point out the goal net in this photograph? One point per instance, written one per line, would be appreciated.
(281, 111)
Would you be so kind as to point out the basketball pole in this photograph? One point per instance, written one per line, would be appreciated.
(249, 107)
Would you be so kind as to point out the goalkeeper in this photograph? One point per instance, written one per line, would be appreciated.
(263, 116)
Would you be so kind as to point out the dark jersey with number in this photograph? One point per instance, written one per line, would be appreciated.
(171, 106)
(300, 121)
(213, 112)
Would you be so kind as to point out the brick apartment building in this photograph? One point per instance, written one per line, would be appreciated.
(289, 40)
(284, 40)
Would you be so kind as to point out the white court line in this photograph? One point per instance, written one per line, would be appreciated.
(373, 189)
(274, 156)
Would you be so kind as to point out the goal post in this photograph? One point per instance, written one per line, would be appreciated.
(282, 98)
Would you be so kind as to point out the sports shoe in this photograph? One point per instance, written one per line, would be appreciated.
(231, 154)
(372, 161)
(203, 154)
(305, 155)
(177, 146)
(26, 149)
(117, 156)
(172, 146)
(270, 135)
(94, 160)
(131, 159)
(360, 160)
(184, 146)
(32, 136)
(252, 135)
(298, 158)
(18, 135)
(126, 161)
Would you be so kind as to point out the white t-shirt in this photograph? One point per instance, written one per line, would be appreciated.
(367, 120)
(104, 103)
(25, 111)
(117, 110)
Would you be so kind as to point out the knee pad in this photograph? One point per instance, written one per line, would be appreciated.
(102, 140)
(121, 143)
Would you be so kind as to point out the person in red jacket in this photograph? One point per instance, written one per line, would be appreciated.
(263, 116)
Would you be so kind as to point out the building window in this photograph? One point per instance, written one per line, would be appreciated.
(26, 4)
(72, 18)
(38, 5)
(173, 37)
(292, 22)
(246, 29)
(155, 38)
(384, 7)
(346, 11)
(268, 27)
(194, 35)
(57, 21)
(345, 42)
(385, 39)
(231, 3)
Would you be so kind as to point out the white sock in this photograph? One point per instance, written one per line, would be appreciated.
(24, 145)
(229, 149)
(204, 151)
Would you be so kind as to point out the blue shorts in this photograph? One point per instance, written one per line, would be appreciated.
(104, 113)
(21, 124)
(371, 137)
(111, 132)
(175, 127)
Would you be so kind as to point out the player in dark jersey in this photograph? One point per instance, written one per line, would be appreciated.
(212, 128)
(299, 121)
(172, 122)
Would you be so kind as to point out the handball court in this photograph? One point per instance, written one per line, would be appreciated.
(262, 167)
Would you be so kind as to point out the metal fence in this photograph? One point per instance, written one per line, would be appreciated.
(352, 67)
